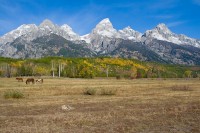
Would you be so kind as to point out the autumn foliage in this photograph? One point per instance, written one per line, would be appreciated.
(93, 67)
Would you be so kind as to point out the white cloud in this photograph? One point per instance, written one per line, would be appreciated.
(163, 16)
(84, 20)
(163, 4)
(196, 2)
(6, 28)
(174, 24)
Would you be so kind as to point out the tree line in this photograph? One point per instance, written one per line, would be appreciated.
(93, 67)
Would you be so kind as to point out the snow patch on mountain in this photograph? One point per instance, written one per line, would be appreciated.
(162, 32)
(129, 34)
(20, 31)
(48, 25)
(31, 32)
(67, 32)
(86, 38)
(105, 28)
(104, 38)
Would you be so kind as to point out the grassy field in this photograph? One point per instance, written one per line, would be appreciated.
(135, 106)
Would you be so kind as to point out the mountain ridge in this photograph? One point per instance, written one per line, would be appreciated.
(104, 39)
(104, 28)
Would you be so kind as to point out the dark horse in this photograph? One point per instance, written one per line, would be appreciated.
(19, 79)
(30, 80)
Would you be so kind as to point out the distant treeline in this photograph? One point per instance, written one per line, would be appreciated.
(93, 67)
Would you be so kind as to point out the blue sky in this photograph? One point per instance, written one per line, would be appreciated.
(181, 16)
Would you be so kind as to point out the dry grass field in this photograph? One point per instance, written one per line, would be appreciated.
(135, 106)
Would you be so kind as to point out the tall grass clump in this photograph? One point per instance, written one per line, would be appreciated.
(119, 77)
(13, 94)
(181, 88)
(108, 92)
(89, 91)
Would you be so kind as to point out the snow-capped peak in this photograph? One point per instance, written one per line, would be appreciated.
(66, 27)
(48, 26)
(105, 28)
(31, 31)
(162, 32)
(21, 30)
(46, 22)
(128, 28)
(105, 21)
(105, 24)
(130, 34)
(68, 33)
(86, 38)
(163, 28)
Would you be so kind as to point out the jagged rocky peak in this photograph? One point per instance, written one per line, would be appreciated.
(21, 30)
(105, 28)
(68, 33)
(86, 38)
(105, 21)
(130, 34)
(162, 32)
(128, 28)
(160, 29)
(48, 26)
(163, 28)
(26, 26)
(47, 22)
(66, 27)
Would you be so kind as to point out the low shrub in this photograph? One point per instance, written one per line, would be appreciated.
(108, 91)
(119, 77)
(181, 88)
(13, 94)
(89, 91)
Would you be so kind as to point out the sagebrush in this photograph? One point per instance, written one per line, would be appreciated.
(13, 94)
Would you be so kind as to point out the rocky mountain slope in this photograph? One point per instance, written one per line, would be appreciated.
(47, 45)
(48, 39)
(161, 32)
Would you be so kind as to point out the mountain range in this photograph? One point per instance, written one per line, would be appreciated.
(48, 39)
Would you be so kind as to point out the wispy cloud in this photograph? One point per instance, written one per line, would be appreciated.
(162, 16)
(166, 4)
(4, 28)
(83, 15)
(177, 23)
(8, 8)
(86, 18)
(197, 2)
(127, 5)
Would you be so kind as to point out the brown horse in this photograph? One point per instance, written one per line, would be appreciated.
(19, 79)
(39, 80)
(30, 80)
